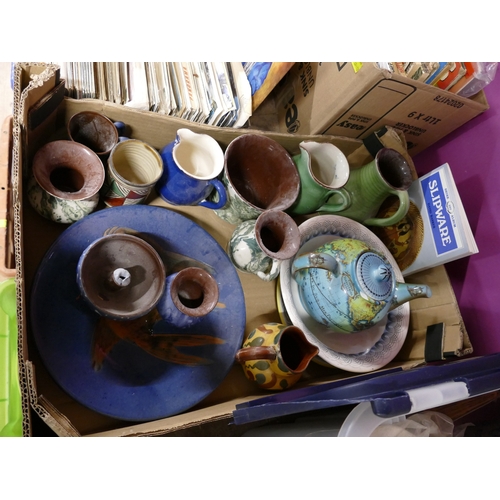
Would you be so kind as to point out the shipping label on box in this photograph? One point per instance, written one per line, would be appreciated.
(356, 99)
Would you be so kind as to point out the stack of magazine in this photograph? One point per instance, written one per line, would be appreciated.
(435, 230)
(212, 93)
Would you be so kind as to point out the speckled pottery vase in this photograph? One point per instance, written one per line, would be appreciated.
(259, 174)
(258, 246)
(275, 355)
(65, 181)
(190, 295)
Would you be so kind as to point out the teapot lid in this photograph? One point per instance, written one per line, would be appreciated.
(375, 276)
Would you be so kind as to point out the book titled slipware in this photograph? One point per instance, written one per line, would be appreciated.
(434, 231)
(447, 235)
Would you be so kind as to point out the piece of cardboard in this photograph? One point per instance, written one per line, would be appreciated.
(355, 99)
(34, 235)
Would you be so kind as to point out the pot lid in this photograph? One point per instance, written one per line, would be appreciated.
(375, 276)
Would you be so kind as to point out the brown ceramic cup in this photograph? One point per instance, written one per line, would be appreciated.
(259, 174)
(93, 130)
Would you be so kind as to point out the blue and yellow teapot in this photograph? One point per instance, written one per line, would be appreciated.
(348, 286)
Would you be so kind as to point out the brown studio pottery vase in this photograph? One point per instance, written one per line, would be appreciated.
(259, 174)
(65, 183)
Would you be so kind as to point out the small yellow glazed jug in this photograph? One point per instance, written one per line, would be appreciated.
(275, 355)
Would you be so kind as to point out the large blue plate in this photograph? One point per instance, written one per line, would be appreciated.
(132, 384)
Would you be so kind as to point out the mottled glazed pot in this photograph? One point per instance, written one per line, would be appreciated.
(275, 355)
(121, 276)
(259, 174)
(259, 246)
(65, 182)
(190, 295)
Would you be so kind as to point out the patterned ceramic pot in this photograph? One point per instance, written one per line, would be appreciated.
(134, 167)
(348, 286)
(258, 246)
(65, 182)
(275, 355)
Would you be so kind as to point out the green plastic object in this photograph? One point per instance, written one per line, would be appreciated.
(11, 411)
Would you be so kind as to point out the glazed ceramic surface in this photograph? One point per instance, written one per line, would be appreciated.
(362, 351)
(133, 168)
(189, 296)
(94, 130)
(258, 246)
(323, 169)
(131, 383)
(388, 174)
(192, 164)
(59, 209)
(349, 286)
(65, 182)
(121, 276)
(259, 174)
(275, 355)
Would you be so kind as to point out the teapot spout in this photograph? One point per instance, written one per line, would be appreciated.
(406, 291)
(315, 260)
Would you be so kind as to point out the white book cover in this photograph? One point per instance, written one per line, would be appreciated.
(436, 229)
(138, 86)
(244, 92)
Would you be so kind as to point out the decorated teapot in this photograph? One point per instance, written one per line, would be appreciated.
(348, 286)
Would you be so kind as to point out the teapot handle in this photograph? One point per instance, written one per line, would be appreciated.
(255, 353)
(404, 205)
(315, 261)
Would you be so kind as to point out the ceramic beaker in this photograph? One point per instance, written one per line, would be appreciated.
(190, 294)
(259, 246)
(323, 169)
(275, 355)
(65, 181)
(192, 164)
(368, 186)
(259, 174)
(134, 167)
(94, 130)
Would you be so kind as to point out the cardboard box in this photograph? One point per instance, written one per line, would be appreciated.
(355, 99)
(34, 235)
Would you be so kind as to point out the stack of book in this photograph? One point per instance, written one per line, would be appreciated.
(213, 93)
(461, 78)
(223, 94)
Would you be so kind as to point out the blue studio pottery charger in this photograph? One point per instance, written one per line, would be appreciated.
(130, 383)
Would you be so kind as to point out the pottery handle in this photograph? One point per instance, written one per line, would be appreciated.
(404, 205)
(333, 206)
(221, 199)
(255, 353)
